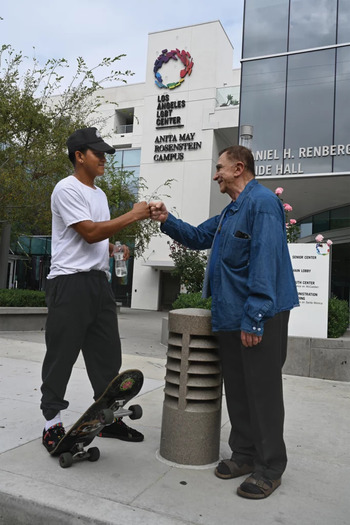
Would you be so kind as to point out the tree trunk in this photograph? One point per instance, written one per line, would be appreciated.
(5, 233)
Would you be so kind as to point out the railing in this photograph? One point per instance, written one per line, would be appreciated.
(127, 128)
(227, 96)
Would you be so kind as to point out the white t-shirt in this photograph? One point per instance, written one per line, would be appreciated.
(73, 202)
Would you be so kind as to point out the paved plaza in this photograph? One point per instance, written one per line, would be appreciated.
(131, 483)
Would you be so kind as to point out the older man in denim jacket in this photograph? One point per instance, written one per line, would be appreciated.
(250, 279)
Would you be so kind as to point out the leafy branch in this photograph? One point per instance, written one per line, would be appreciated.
(189, 266)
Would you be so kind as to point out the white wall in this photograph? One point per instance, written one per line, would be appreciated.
(191, 192)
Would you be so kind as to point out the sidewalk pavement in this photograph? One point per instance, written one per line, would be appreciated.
(131, 484)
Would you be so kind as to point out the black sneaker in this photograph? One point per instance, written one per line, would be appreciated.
(120, 430)
(52, 436)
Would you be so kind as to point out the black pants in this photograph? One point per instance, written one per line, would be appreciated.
(81, 316)
(254, 396)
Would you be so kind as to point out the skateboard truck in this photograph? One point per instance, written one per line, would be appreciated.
(78, 453)
(134, 412)
(106, 417)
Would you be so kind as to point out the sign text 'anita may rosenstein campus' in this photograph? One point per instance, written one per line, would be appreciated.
(172, 146)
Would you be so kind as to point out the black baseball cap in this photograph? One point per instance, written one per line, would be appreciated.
(88, 138)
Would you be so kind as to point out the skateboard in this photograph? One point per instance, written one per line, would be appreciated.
(102, 412)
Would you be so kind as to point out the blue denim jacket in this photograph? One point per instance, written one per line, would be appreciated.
(253, 278)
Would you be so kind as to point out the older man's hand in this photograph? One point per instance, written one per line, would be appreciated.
(250, 340)
(158, 211)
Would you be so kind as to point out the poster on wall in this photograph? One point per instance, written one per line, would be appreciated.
(311, 266)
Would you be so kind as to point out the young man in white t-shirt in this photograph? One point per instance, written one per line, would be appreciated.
(81, 306)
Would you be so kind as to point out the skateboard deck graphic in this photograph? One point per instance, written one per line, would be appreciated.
(102, 412)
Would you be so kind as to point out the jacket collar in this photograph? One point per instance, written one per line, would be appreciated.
(235, 205)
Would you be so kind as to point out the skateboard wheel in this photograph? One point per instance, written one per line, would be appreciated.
(66, 460)
(94, 454)
(106, 416)
(136, 412)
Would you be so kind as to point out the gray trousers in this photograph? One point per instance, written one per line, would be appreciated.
(254, 396)
(81, 316)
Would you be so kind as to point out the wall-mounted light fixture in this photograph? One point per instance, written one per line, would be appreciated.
(246, 135)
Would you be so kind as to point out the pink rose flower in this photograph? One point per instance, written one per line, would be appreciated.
(278, 191)
(319, 238)
(329, 242)
(293, 221)
(287, 207)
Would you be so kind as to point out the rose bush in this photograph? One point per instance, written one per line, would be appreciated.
(293, 229)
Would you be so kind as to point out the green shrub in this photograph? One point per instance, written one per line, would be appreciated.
(192, 300)
(338, 311)
(189, 266)
(338, 317)
(16, 297)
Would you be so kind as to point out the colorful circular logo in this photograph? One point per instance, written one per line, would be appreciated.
(322, 248)
(127, 384)
(164, 58)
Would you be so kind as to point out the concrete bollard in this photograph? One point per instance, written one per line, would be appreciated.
(190, 433)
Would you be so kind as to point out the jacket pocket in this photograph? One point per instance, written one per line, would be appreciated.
(236, 252)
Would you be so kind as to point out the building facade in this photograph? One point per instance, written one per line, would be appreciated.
(172, 127)
(291, 91)
(292, 94)
(295, 85)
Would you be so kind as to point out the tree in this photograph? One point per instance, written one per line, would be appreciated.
(189, 265)
(123, 189)
(34, 125)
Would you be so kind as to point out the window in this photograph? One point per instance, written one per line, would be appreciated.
(128, 157)
(305, 227)
(342, 108)
(343, 21)
(312, 24)
(309, 108)
(131, 157)
(263, 86)
(128, 160)
(326, 220)
(124, 120)
(320, 222)
(340, 218)
(266, 27)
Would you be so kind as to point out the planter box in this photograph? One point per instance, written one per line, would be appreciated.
(26, 318)
(309, 357)
(321, 358)
(22, 319)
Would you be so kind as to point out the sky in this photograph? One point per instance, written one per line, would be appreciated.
(94, 29)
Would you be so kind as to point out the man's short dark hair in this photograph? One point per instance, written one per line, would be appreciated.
(243, 155)
(71, 155)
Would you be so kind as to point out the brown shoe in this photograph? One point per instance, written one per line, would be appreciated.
(257, 487)
(228, 469)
